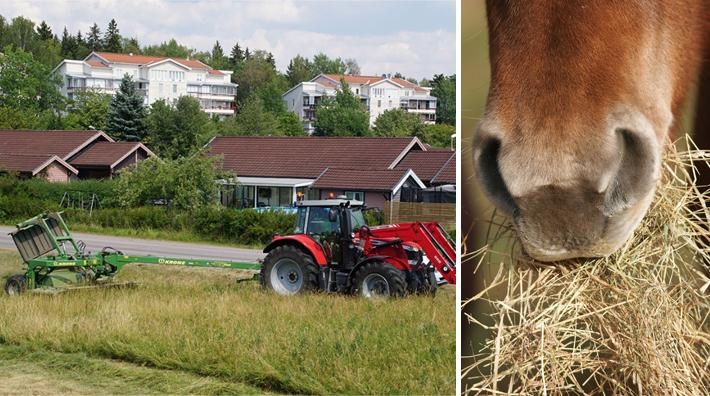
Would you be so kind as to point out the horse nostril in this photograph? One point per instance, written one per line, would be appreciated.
(487, 169)
(637, 172)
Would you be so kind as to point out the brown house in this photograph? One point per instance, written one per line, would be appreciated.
(66, 155)
(275, 171)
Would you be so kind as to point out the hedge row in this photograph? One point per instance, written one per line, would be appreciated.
(243, 227)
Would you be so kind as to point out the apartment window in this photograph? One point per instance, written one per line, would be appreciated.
(379, 103)
(174, 88)
(357, 91)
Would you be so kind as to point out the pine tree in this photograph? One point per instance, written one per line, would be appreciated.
(68, 45)
(44, 31)
(93, 40)
(236, 56)
(126, 114)
(112, 38)
(218, 60)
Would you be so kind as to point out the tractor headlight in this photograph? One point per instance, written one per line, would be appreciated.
(414, 255)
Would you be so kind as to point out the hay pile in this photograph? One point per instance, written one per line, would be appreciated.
(637, 322)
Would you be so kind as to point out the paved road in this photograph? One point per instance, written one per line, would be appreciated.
(144, 247)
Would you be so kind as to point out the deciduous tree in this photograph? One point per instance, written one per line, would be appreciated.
(444, 89)
(398, 123)
(342, 116)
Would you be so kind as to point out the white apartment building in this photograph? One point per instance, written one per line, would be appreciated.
(377, 94)
(156, 78)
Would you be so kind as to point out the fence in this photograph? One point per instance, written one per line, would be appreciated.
(401, 212)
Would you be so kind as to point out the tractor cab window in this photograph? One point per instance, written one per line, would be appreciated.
(300, 221)
(319, 222)
(357, 219)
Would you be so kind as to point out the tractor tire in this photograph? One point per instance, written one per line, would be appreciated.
(378, 279)
(288, 270)
(16, 285)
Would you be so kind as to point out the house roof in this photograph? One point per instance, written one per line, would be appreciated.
(108, 154)
(63, 144)
(95, 63)
(431, 163)
(350, 79)
(307, 157)
(358, 179)
(146, 60)
(31, 163)
(447, 173)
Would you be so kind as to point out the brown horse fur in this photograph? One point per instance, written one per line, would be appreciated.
(584, 95)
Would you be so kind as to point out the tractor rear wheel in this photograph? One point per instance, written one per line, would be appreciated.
(15, 285)
(379, 279)
(288, 270)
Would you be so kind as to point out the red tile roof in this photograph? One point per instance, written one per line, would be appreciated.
(431, 163)
(358, 179)
(95, 63)
(350, 79)
(215, 72)
(146, 60)
(305, 157)
(30, 163)
(107, 154)
(60, 143)
(447, 173)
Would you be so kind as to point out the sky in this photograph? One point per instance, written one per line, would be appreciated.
(415, 38)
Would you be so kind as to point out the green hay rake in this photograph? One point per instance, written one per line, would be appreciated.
(55, 261)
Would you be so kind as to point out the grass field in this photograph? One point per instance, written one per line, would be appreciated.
(200, 331)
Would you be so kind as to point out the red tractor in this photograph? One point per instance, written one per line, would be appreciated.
(332, 249)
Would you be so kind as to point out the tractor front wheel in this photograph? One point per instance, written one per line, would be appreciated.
(15, 285)
(379, 279)
(288, 270)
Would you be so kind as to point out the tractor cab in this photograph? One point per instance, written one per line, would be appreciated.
(333, 224)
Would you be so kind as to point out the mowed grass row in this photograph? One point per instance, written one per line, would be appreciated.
(204, 322)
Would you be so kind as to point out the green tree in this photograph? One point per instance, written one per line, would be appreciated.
(252, 120)
(14, 118)
(299, 69)
(186, 183)
(82, 49)
(438, 135)
(178, 131)
(93, 40)
(322, 64)
(112, 38)
(88, 110)
(236, 56)
(130, 46)
(342, 116)
(27, 84)
(444, 89)
(289, 124)
(21, 34)
(126, 114)
(44, 31)
(398, 123)
(170, 48)
(255, 72)
(217, 58)
(67, 45)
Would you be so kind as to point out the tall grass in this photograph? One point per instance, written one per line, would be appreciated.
(636, 322)
(202, 321)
